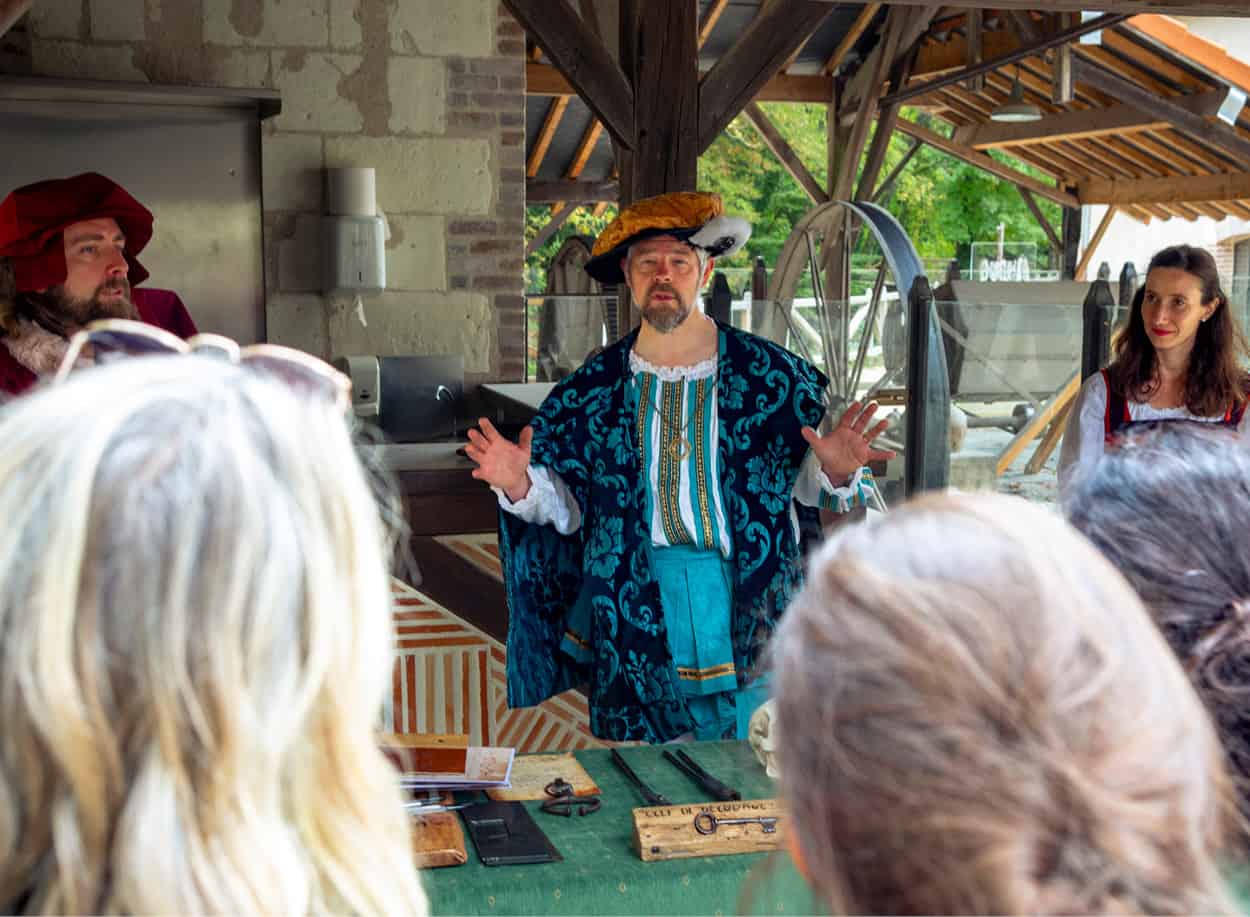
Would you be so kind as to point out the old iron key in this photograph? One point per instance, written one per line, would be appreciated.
(707, 823)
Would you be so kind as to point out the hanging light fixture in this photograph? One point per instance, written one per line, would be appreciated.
(1015, 110)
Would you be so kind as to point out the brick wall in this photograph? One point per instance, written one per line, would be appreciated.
(428, 92)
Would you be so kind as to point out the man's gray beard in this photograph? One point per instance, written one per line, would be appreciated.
(665, 320)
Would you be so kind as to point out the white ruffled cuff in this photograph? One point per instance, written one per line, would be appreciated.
(549, 502)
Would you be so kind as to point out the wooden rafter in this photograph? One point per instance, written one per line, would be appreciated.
(900, 71)
(1215, 133)
(577, 164)
(709, 20)
(864, 76)
(861, 23)
(1030, 201)
(1092, 248)
(878, 65)
(755, 58)
(545, 134)
(1166, 189)
(591, 16)
(1088, 122)
(584, 148)
(552, 226)
(938, 58)
(1131, 7)
(572, 45)
(11, 11)
(1156, 65)
(1181, 42)
(975, 56)
(785, 154)
(884, 188)
(1058, 38)
(545, 80)
(982, 161)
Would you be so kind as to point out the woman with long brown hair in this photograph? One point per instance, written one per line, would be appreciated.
(1181, 357)
(977, 716)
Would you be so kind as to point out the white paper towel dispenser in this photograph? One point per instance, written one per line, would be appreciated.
(353, 257)
(353, 234)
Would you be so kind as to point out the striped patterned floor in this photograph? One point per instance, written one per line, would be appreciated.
(481, 550)
(450, 677)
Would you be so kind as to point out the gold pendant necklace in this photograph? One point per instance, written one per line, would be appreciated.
(678, 447)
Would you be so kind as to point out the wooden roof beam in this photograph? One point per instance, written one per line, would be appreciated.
(852, 35)
(1031, 202)
(1131, 7)
(709, 20)
(755, 58)
(557, 219)
(988, 164)
(1169, 189)
(1193, 48)
(1104, 21)
(1090, 122)
(785, 154)
(545, 134)
(1215, 133)
(11, 11)
(545, 80)
(572, 45)
(939, 58)
(1091, 249)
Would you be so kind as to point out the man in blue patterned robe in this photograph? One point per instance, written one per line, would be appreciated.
(647, 531)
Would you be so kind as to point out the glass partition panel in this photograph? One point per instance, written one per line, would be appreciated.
(562, 330)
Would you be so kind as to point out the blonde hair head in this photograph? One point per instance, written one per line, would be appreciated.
(194, 645)
(976, 715)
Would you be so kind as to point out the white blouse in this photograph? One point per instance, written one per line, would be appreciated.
(692, 510)
(1085, 433)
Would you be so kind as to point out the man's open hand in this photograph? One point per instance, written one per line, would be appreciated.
(500, 462)
(848, 446)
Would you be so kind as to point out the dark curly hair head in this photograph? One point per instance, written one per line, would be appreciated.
(1168, 506)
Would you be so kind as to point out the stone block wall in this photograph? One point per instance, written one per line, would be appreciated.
(430, 93)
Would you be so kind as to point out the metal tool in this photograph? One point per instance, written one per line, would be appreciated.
(707, 823)
(692, 769)
(564, 803)
(427, 808)
(651, 796)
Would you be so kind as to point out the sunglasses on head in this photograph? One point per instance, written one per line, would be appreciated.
(115, 338)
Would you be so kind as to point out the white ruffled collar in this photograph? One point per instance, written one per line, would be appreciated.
(702, 370)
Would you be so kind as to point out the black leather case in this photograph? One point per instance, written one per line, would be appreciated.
(505, 834)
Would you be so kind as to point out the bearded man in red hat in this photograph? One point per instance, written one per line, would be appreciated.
(68, 252)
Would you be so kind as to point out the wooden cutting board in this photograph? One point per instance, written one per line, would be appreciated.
(438, 840)
(531, 773)
(668, 832)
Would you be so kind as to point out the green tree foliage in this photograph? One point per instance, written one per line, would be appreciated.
(944, 204)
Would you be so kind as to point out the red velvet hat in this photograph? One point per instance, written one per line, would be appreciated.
(33, 217)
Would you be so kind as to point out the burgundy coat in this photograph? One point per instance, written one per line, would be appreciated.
(162, 308)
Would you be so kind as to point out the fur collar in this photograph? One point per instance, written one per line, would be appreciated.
(34, 347)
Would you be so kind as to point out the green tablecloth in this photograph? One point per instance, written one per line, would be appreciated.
(602, 874)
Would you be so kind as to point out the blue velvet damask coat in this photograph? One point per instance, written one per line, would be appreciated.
(585, 431)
